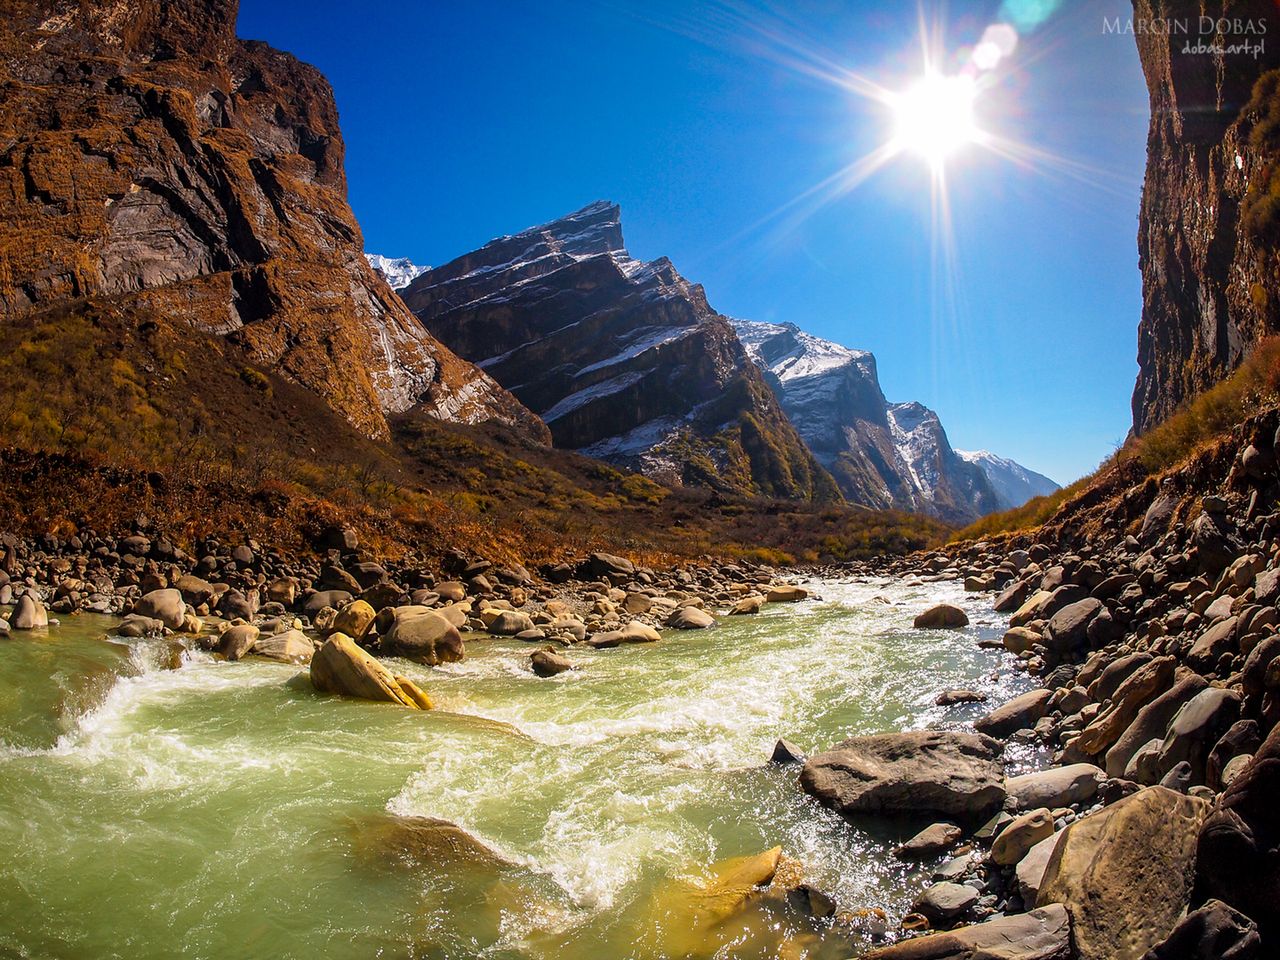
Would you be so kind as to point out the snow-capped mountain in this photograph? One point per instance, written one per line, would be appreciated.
(881, 454)
(1013, 483)
(624, 360)
(399, 271)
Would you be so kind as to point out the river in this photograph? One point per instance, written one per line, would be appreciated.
(226, 810)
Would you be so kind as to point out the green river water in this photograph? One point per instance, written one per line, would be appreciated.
(226, 810)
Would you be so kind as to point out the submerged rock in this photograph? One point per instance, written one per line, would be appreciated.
(921, 772)
(548, 663)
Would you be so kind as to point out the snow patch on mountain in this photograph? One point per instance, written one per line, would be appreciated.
(1013, 483)
(399, 271)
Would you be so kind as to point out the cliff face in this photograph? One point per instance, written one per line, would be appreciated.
(1209, 228)
(624, 360)
(149, 156)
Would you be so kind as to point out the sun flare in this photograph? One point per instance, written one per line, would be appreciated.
(934, 117)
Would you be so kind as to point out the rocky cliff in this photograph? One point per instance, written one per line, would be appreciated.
(881, 454)
(151, 158)
(1210, 217)
(624, 360)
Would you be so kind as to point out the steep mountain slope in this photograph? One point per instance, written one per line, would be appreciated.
(882, 455)
(398, 272)
(153, 160)
(1210, 214)
(1013, 483)
(624, 360)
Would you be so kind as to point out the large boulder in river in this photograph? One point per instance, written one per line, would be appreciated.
(424, 637)
(341, 667)
(1238, 853)
(1019, 713)
(1042, 934)
(167, 606)
(944, 616)
(633, 632)
(690, 618)
(1125, 873)
(290, 646)
(925, 772)
(30, 614)
(236, 641)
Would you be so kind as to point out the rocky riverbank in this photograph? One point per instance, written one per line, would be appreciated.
(1154, 833)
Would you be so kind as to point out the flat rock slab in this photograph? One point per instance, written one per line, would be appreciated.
(920, 773)
(1042, 934)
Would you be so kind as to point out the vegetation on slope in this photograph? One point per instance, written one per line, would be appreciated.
(111, 411)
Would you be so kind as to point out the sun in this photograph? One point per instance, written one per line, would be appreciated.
(934, 117)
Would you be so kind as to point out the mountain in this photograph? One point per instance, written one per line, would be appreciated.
(882, 455)
(624, 360)
(156, 166)
(1209, 225)
(399, 272)
(1013, 483)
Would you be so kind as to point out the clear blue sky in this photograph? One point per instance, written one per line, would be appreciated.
(466, 121)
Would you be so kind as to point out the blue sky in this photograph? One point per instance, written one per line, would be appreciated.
(469, 121)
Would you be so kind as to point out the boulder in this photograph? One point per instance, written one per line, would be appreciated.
(956, 695)
(945, 901)
(548, 663)
(933, 840)
(1016, 840)
(1041, 934)
(954, 775)
(606, 565)
(1151, 722)
(290, 646)
(1055, 787)
(1214, 932)
(425, 638)
(1125, 873)
(320, 599)
(236, 641)
(508, 623)
(747, 605)
(1029, 873)
(167, 606)
(1020, 713)
(943, 616)
(1021, 639)
(354, 619)
(1238, 852)
(30, 614)
(1067, 632)
(633, 632)
(1220, 638)
(1196, 728)
(786, 593)
(451, 591)
(134, 626)
(786, 753)
(690, 618)
(341, 667)
(1142, 686)
(195, 590)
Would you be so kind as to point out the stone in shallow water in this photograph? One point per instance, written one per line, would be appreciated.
(1043, 934)
(929, 842)
(944, 616)
(920, 772)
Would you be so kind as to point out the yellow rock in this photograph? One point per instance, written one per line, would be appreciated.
(353, 619)
(343, 668)
(415, 693)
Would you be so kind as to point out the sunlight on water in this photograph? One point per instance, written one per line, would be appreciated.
(224, 809)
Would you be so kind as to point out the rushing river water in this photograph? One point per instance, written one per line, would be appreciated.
(225, 810)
